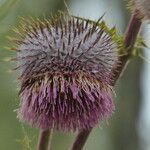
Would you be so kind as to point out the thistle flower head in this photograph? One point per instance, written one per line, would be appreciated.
(144, 7)
(65, 65)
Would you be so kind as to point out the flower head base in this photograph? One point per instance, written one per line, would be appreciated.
(66, 71)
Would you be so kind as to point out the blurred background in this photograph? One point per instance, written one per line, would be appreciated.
(128, 128)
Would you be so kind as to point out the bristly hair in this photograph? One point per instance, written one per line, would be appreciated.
(66, 71)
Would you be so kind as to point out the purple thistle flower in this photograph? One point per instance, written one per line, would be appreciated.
(66, 72)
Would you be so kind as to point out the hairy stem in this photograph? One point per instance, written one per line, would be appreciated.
(44, 140)
(130, 36)
(80, 140)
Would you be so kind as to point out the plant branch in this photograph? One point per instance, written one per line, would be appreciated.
(130, 36)
(80, 139)
(44, 140)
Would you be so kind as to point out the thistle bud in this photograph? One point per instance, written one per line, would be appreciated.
(65, 72)
(144, 7)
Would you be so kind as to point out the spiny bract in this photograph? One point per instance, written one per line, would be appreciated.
(66, 71)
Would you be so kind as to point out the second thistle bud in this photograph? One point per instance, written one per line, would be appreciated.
(144, 7)
(66, 72)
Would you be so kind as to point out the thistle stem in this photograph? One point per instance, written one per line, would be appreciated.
(80, 139)
(44, 140)
(130, 36)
